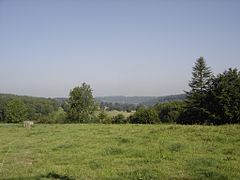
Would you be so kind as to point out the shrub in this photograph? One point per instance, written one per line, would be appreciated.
(144, 116)
(119, 119)
(169, 112)
(15, 111)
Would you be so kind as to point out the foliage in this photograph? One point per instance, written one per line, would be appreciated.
(58, 116)
(212, 100)
(201, 78)
(195, 112)
(224, 98)
(37, 108)
(118, 106)
(169, 112)
(119, 119)
(81, 104)
(124, 99)
(103, 118)
(116, 102)
(144, 116)
(165, 99)
(15, 111)
(96, 151)
(3, 102)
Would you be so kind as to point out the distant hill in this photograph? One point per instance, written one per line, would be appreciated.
(26, 98)
(135, 100)
(146, 100)
(125, 99)
(162, 99)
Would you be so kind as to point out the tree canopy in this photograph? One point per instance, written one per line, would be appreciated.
(81, 104)
(15, 111)
(212, 100)
(144, 116)
(224, 98)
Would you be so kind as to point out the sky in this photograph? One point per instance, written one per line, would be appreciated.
(119, 47)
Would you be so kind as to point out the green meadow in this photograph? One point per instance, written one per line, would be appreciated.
(93, 151)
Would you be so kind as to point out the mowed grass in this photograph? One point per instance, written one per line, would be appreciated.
(81, 151)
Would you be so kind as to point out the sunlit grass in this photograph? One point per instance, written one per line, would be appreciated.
(119, 152)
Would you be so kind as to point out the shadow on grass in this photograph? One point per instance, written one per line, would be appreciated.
(51, 175)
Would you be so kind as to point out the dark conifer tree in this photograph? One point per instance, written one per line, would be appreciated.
(196, 112)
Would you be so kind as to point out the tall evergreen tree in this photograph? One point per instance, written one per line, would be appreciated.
(195, 112)
(201, 78)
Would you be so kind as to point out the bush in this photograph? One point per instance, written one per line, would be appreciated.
(15, 111)
(102, 117)
(169, 112)
(220, 103)
(224, 98)
(119, 119)
(144, 116)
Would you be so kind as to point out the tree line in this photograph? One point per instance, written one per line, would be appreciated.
(14, 109)
(212, 99)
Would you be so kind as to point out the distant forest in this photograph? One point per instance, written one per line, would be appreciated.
(53, 110)
(40, 108)
(144, 100)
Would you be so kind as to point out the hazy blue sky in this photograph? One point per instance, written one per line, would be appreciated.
(119, 47)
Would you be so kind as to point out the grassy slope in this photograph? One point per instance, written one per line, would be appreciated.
(119, 152)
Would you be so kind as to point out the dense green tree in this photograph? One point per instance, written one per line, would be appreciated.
(2, 107)
(102, 116)
(15, 111)
(144, 116)
(54, 117)
(81, 104)
(169, 112)
(38, 109)
(224, 98)
(119, 119)
(65, 106)
(196, 112)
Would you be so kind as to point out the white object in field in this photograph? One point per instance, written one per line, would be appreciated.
(28, 124)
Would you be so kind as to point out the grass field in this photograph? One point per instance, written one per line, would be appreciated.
(119, 152)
